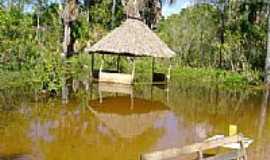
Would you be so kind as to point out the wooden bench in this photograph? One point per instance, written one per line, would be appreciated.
(200, 147)
(116, 78)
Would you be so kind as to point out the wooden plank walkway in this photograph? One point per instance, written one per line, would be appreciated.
(199, 148)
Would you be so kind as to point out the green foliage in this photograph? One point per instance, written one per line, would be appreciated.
(22, 51)
(195, 35)
(192, 34)
(17, 48)
(50, 72)
(78, 67)
(208, 76)
(31, 44)
(101, 14)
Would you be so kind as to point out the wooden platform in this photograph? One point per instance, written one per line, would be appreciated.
(115, 78)
(200, 147)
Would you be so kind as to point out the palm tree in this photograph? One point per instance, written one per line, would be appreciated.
(147, 10)
(69, 17)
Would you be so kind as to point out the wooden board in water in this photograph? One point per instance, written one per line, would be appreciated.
(115, 88)
(115, 78)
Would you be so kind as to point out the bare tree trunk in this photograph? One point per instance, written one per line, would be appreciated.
(113, 14)
(38, 27)
(222, 38)
(69, 19)
(87, 6)
(267, 60)
(202, 50)
(66, 40)
(38, 12)
(261, 123)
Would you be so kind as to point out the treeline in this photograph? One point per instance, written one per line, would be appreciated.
(32, 36)
(37, 36)
(230, 35)
(42, 42)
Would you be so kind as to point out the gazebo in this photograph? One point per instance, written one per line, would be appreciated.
(133, 39)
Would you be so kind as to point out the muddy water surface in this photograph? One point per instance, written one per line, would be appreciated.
(99, 125)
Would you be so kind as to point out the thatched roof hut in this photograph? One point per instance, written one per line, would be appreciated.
(132, 38)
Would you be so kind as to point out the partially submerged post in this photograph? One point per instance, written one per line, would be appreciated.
(132, 39)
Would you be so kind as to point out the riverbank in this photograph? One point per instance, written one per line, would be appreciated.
(79, 68)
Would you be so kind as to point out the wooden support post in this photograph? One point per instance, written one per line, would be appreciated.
(200, 155)
(101, 65)
(133, 70)
(167, 94)
(100, 96)
(91, 91)
(169, 72)
(151, 92)
(243, 150)
(92, 64)
(153, 68)
(131, 101)
(118, 64)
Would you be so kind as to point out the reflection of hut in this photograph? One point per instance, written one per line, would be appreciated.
(126, 121)
(134, 39)
(115, 88)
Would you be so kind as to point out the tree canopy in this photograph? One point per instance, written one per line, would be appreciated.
(228, 35)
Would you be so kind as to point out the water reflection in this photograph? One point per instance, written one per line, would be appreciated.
(17, 157)
(102, 122)
(261, 126)
(128, 117)
(39, 130)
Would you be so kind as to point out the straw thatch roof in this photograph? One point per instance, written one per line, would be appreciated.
(132, 38)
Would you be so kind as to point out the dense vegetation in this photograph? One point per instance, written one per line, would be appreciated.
(228, 43)
(235, 41)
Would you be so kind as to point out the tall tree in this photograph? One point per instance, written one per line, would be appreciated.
(221, 5)
(147, 10)
(267, 59)
(39, 6)
(113, 13)
(69, 16)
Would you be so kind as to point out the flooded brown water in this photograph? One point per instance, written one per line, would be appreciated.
(99, 125)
